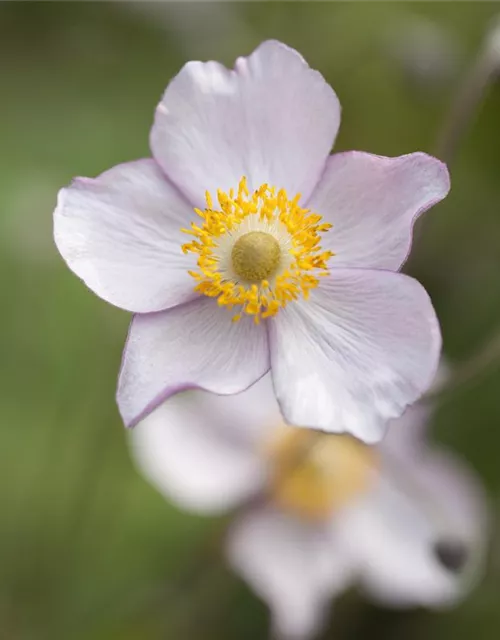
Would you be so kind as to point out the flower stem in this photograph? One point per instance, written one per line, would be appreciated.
(468, 99)
(470, 94)
(479, 364)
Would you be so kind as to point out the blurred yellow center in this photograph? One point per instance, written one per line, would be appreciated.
(255, 256)
(316, 473)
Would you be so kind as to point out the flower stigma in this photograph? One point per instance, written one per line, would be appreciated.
(255, 256)
(315, 473)
(257, 252)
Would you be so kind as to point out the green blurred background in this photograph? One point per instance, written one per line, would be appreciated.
(87, 548)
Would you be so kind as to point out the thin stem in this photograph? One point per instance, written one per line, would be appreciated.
(481, 363)
(465, 105)
(470, 95)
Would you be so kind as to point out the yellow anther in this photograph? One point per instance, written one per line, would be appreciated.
(272, 272)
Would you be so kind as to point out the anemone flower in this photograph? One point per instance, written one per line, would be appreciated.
(319, 512)
(243, 247)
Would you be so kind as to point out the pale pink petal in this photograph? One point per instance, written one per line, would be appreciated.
(202, 450)
(406, 435)
(292, 565)
(372, 202)
(191, 346)
(451, 481)
(363, 347)
(396, 531)
(271, 119)
(121, 234)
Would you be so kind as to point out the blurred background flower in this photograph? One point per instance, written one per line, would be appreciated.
(320, 512)
(89, 549)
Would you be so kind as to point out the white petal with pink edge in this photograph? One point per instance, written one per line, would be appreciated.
(191, 346)
(272, 119)
(406, 435)
(364, 346)
(201, 450)
(372, 202)
(121, 234)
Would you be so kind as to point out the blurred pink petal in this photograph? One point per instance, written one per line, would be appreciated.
(292, 565)
(203, 451)
(406, 435)
(419, 536)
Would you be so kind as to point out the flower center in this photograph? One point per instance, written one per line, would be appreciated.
(257, 252)
(316, 473)
(255, 256)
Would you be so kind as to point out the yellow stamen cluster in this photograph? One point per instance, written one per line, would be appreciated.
(296, 273)
(317, 473)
